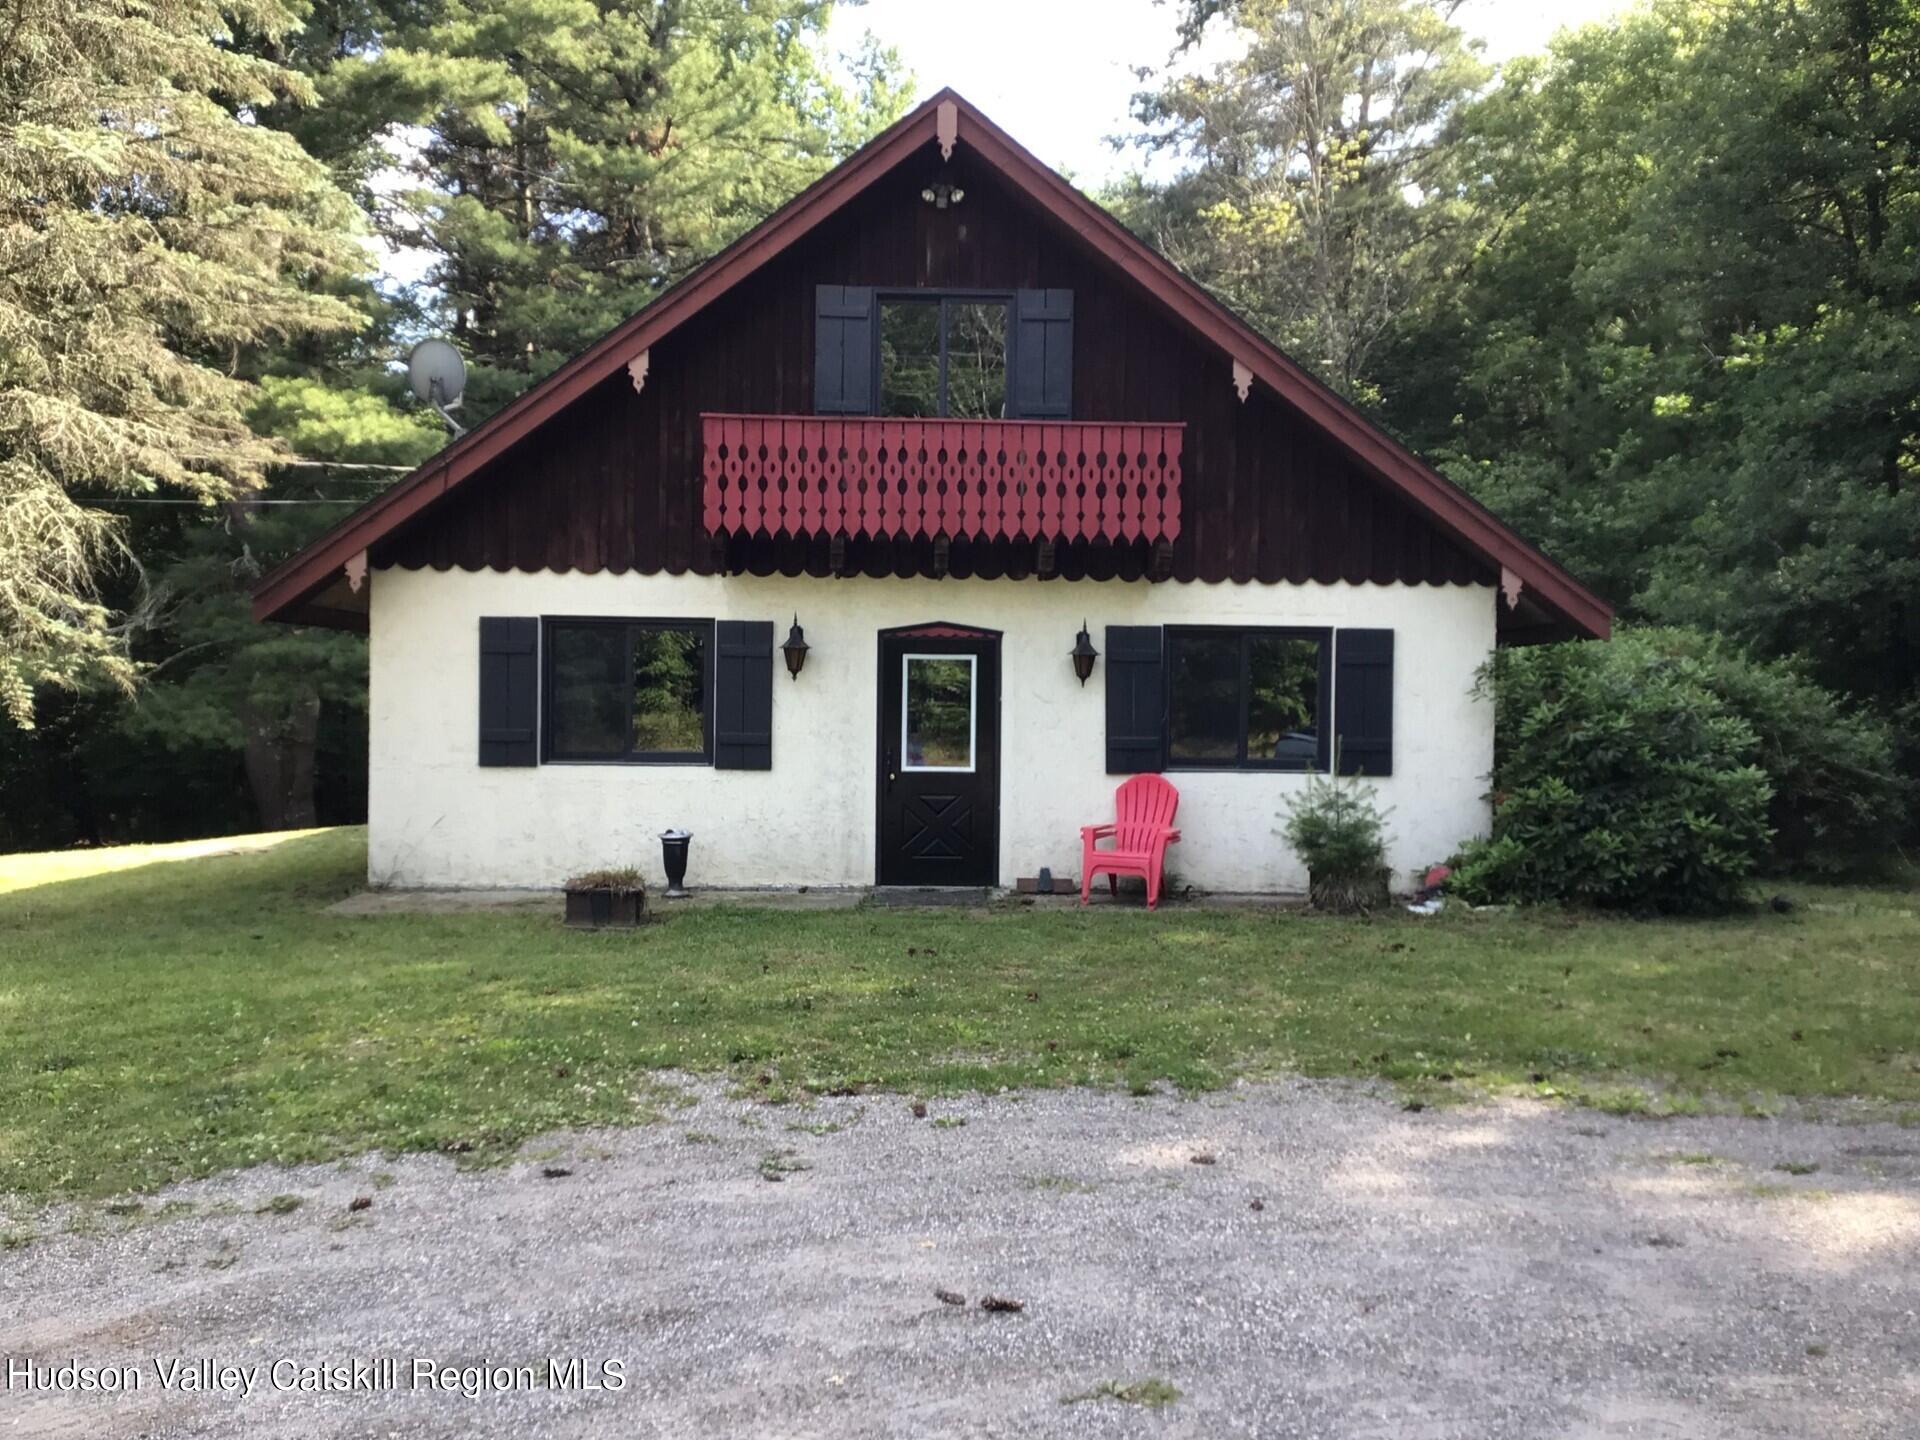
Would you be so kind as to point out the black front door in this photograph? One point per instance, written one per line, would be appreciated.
(939, 756)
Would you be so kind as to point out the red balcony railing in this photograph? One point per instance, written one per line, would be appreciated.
(984, 479)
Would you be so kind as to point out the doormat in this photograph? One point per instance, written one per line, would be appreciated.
(909, 897)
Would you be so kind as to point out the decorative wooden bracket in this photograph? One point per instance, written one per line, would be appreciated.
(1043, 558)
(637, 368)
(1510, 585)
(946, 120)
(837, 554)
(1160, 567)
(356, 571)
(1242, 380)
(942, 553)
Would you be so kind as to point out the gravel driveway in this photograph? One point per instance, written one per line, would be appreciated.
(1343, 1267)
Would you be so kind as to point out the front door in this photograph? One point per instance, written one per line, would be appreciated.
(939, 756)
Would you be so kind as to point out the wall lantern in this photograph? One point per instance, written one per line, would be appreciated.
(795, 649)
(1084, 654)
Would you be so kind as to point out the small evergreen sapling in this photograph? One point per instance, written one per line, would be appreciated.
(1338, 829)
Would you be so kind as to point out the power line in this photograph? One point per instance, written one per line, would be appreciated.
(204, 505)
(312, 464)
(340, 465)
(278, 464)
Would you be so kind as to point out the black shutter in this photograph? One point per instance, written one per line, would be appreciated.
(743, 695)
(1043, 355)
(1363, 701)
(843, 347)
(1136, 699)
(509, 691)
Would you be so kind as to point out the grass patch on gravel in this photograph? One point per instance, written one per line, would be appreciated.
(181, 1016)
(1151, 1393)
(1058, 1184)
(778, 1164)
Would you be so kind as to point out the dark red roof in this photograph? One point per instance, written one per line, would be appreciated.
(285, 592)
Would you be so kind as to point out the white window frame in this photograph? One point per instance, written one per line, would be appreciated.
(973, 716)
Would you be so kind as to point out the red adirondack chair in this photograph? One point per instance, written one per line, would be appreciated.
(1143, 811)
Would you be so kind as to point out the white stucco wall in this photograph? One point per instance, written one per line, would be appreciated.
(437, 819)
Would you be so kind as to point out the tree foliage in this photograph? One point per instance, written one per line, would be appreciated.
(1654, 296)
(186, 303)
(149, 234)
(1662, 770)
(565, 160)
(1685, 353)
(212, 677)
(1621, 779)
(1313, 149)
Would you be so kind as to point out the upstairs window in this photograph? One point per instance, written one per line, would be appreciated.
(944, 356)
(629, 690)
(975, 355)
(1247, 699)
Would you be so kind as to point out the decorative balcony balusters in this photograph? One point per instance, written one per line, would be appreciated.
(979, 479)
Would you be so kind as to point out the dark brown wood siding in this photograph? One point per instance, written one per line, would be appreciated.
(615, 483)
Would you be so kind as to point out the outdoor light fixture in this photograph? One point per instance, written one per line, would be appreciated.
(940, 195)
(1084, 654)
(795, 649)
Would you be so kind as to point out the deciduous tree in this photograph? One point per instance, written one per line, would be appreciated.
(1686, 355)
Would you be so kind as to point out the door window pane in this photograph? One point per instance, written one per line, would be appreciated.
(1203, 687)
(910, 357)
(976, 360)
(587, 705)
(669, 690)
(937, 723)
(1283, 700)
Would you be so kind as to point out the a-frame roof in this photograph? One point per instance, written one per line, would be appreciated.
(290, 591)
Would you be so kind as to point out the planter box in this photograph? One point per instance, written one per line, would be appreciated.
(1350, 894)
(606, 909)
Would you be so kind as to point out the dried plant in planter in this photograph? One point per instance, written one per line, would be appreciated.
(1338, 829)
(598, 899)
(625, 880)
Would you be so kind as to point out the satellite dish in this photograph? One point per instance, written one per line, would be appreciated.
(437, 373)
(438, 376)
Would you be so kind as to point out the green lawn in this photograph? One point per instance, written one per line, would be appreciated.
(179, 1016)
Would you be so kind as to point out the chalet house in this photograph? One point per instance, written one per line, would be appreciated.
(940, 413)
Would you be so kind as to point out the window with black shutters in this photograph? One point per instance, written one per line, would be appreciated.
(629, 690)
(1247, 699)
(957, 355)
(943, 356)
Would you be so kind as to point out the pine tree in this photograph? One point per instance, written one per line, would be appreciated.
(152, 236)
(572, 158)
(1307, 209)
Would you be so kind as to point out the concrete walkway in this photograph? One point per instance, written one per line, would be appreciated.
(457, 902)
